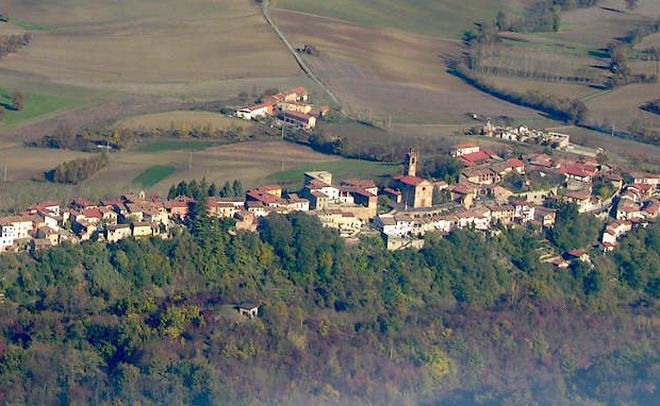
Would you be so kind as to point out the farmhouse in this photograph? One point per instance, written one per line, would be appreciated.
(141, 229)
(300, 120)
(367, 185)
(298, 107)
(463, 149)
(581, 198)
(256, 111)
(474, 158)
(345, 222)
(480, 176)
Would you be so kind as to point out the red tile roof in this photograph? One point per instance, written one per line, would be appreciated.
(576, 253)
(516, 163)
(409, 180)
(360, 183)
(574, 171)
(298, 116)
(92, 213)
(474, 158)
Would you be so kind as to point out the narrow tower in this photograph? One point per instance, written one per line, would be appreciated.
(411, 163)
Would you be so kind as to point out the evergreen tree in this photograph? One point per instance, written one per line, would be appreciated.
(171, 194)
(213, 189)
(227, 190)
(237, 188)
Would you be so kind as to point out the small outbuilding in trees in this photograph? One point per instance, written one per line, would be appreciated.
(249, 310)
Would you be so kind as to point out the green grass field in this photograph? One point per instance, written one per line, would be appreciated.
(350, 168)
(153, 175)
(36, 105)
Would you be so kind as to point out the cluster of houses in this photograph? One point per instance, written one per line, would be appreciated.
(528, 135)
(346, 207)
(479, 200)
(292, 107)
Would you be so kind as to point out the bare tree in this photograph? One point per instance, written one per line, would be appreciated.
(631, 4)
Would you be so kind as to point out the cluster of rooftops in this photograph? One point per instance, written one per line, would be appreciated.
(418, 205)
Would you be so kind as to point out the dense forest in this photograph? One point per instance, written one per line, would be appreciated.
(470, 319)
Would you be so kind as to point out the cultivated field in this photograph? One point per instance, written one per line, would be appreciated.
(440, 19)
(254, 163)
(97, 52)
(579, 48)
(183, 119)
(158, 44)
(251, 162)
(390, 73)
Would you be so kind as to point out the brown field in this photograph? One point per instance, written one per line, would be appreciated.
(250, 162)
(377, 72)
(583, 34)
(558, 89)
(630, 152)
(158, 44)
(27, 163)
(112, 59)
(621, 106)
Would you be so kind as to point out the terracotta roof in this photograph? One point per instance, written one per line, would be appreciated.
(92, 213)
(298, 91)
(574, 171)
(464, 146)
(462, 188)
(267, 189)
(298, 116)
(409, 180)
(516, 163)
(581, 194)
(264, 197)
(576, 253)
(360, 183)
(257, 106)
(474, 158)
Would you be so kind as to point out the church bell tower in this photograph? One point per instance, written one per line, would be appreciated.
(411, 163)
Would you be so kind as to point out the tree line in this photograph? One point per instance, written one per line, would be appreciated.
(77, 170)
(620, 49)
(202, 189)
(652, 106)
(465, 319)
(564, 109)
(89, 139)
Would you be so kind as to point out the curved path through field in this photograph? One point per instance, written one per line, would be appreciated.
(265, 4)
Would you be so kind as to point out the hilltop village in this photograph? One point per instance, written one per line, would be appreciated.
(491, 190)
